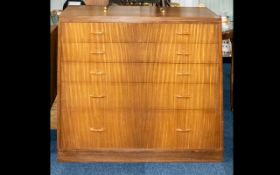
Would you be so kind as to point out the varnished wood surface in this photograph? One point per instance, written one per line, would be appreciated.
(97, 2)
(220, 104)
(140, 52)
(136, 155)
(118, 32)
(139, 72)
(129, 86)
(138, 14)
(53, 63)
(81, 95)
(159, 129)
(54, 115)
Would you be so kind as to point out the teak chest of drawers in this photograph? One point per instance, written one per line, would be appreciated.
(139, 85)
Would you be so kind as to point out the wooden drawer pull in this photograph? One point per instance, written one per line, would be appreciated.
(97, 130)
(96, 73)
(180, 96)
(98, 52)
(98, 96)
(183, 130)
(182, 74)
(97, 33)
(179, 33)
(186, 54)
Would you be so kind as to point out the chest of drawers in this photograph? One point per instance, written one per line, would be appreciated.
(138, 85)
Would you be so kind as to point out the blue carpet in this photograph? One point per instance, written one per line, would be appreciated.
(224, 168)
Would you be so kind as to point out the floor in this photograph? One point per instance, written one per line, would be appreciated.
(221, 168)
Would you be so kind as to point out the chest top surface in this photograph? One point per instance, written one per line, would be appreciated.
(137, 14)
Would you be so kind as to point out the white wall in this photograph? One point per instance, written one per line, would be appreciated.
(220, 7)
(57, 4)
(186, 3)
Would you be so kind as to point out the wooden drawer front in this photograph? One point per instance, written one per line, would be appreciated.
(96, 32)
(138, 95)
(181, 129)
(140, 52)
(82, 129)
(140, 72)
(147, 129)
(116, 32)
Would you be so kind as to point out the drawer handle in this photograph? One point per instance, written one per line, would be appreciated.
(97, 130)
(183, 130)
(98, 52)
(180, 96)
(186, 54)
(179, 33)
(97, 33)
(96, 73)
(182, 74)
(98, 96)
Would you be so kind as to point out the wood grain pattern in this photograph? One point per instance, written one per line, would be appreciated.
(140, 52)
(97, 2)
(138, 95)
(139, 72)
(220, 98)
(54, 115)
(53, 64)
(139, 83)
(114, 32)
(141, 155)
(158, 129)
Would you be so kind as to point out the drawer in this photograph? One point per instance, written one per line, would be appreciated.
(141, 52)
(181, 129)
(160, 129)
(99, 96)
(86, 130)
(125, 32)
(139, 72)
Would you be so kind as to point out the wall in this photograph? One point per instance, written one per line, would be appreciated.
(57, 4)
(220, 7)
(186, 3)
